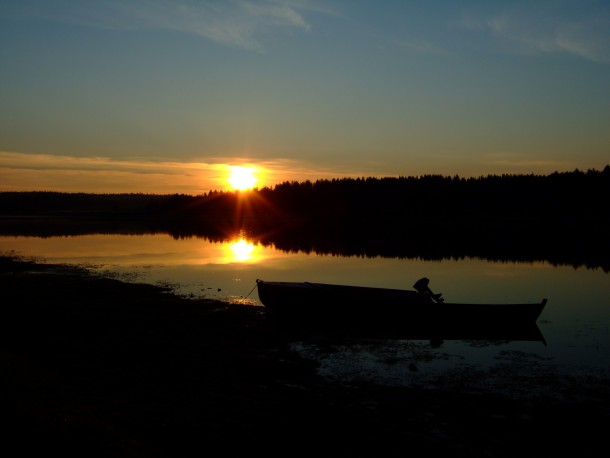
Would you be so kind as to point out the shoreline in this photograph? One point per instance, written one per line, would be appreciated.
(96, 366)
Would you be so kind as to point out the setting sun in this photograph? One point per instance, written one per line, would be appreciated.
(242, 178)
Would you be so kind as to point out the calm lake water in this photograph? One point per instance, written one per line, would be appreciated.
(575, 322)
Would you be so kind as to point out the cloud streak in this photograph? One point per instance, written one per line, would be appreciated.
(46, 172)
(235, 23)
(584, 34)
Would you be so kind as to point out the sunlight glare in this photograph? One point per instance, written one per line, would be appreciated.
(242, 250)
(241, 177)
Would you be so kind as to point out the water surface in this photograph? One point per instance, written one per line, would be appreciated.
(574, 323)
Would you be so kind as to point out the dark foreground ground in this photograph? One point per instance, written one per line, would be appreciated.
(95, 367)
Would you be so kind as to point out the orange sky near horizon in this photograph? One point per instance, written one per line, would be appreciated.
(40, 172)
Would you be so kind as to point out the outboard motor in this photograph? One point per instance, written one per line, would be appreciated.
(421, 286)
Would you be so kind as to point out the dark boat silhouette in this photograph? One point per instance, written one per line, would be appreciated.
(395, 312)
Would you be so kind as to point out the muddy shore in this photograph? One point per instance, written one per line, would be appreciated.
(93, 366)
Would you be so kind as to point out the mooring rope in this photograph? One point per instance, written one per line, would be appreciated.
(255, 285)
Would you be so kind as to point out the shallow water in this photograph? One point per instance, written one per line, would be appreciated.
(575, 322)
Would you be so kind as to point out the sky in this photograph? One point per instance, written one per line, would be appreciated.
(164, 96)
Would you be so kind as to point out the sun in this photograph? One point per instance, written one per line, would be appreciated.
(242, 177)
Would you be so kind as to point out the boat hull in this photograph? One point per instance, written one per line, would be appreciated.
(325, 305)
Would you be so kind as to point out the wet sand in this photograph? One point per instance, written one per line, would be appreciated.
(94, 366)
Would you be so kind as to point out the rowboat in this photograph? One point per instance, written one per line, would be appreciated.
(404, 310)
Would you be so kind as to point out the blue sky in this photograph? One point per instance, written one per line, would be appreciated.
(149, 93)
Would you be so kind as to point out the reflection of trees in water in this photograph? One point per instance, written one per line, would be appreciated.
(430, 243)
(562, 218)
(423, 242)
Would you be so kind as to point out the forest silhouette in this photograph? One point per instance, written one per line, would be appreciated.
(562, 218)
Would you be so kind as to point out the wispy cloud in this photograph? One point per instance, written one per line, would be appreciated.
(46, 172)
(236, 23)
(584, 34)
(277, 13)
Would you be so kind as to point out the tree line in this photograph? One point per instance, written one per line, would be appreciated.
(563, 215)
(432, 197)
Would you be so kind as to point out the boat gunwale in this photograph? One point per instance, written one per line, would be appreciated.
(329, 286)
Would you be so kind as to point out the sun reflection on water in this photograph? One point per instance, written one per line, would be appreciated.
(241, 250)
